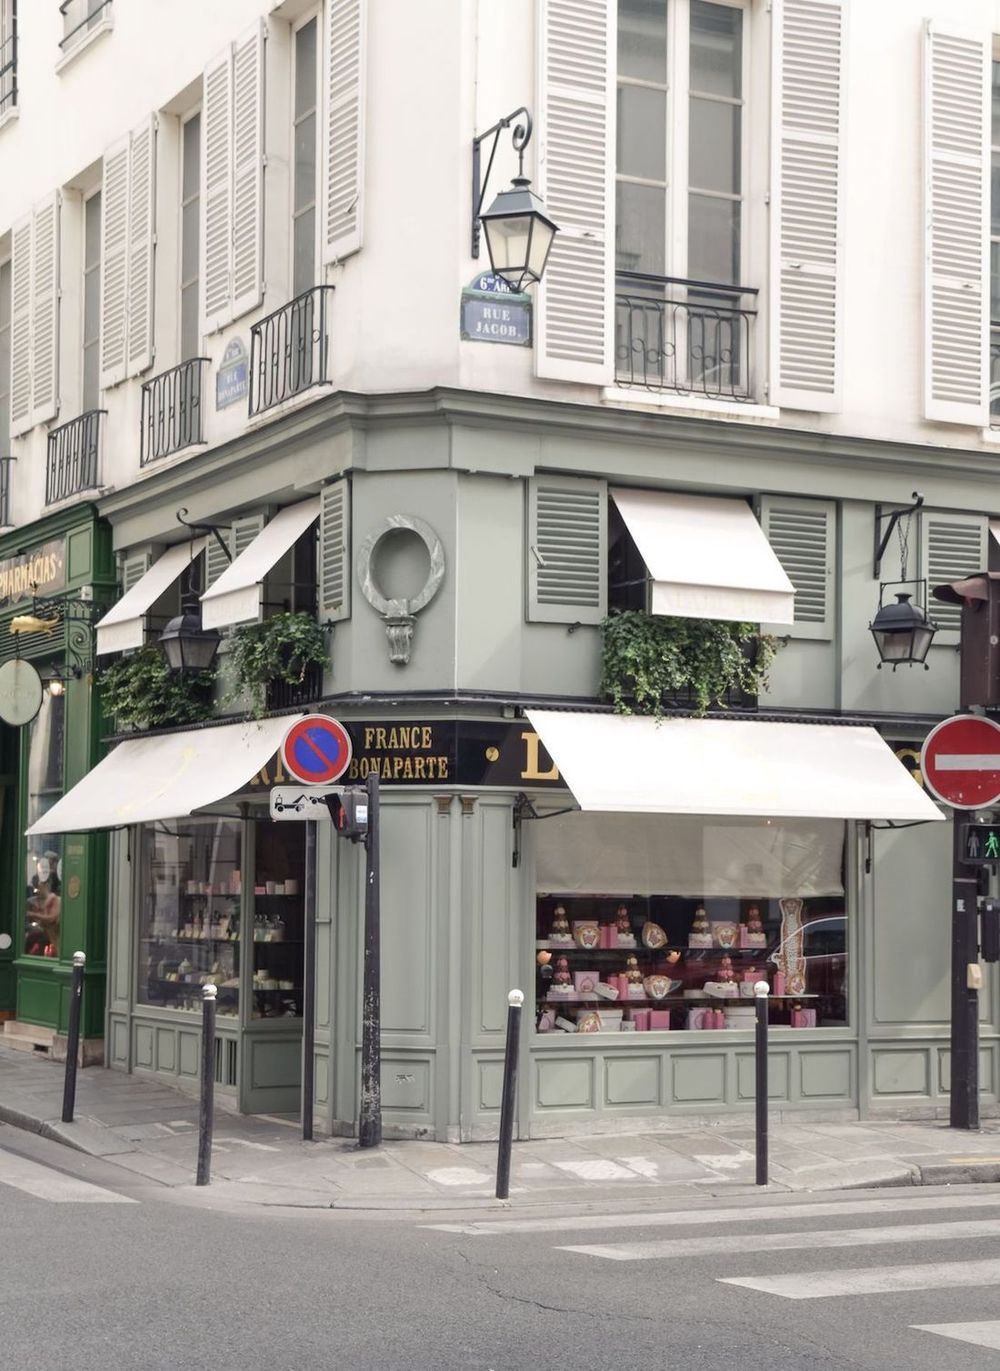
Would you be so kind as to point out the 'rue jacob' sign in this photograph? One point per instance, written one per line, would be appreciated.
(493, 313)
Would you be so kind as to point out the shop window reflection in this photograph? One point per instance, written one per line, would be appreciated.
(43, 892)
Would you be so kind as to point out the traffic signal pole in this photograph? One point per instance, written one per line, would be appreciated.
(964, 1093)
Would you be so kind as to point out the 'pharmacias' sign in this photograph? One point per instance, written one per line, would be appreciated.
(38, 572)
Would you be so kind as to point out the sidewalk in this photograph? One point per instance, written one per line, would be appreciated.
(151, 1130)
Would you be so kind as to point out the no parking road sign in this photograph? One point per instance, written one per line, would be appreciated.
(960, 762)
(316, 750)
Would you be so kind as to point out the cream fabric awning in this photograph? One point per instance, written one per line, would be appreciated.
(707, 557)
(235, 597)
(166, 777)
(630, 764)
(124, 625)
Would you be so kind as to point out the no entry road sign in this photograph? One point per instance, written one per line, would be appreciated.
(960, 762)
(316, 750)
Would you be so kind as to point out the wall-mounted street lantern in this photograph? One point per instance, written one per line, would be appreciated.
(902, 631)
(186, 645)
(518, 228)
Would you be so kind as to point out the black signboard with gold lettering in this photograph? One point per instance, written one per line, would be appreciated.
(38, 572)
(508, 755)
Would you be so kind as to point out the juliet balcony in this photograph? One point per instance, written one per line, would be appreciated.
(74, 457)
(290, 350)
(691, 338)
(172, 411)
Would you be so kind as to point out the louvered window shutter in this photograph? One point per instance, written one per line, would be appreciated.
(20, 329)
(216, 193)
(335, 551)
(802, 534)
(576, 99)
(951, 546)
(245, 530)
(133, 567)
(141, 230)
(956, 249)
(248, 171)
(567, 550)
(806, 211)
(346, 61)
(114, 263)
(216, 560)
(45, 312)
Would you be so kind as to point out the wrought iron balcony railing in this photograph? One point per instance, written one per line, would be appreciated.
(74, 457)
(8, 55)
(5, 465)
(79, 17)
(289, 350)
(690, 337)
(172, 411)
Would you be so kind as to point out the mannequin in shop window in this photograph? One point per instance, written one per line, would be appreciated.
(44, 912)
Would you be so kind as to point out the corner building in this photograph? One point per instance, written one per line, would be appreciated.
(241, 327)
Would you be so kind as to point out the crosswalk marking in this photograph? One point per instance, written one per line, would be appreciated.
(694, 1217)
(879, 1280)
(790, 1242)
(46, 1184)
(981, 1334)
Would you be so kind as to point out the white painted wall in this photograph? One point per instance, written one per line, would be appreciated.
(439, 70)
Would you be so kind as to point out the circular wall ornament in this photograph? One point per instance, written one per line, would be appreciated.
(20, 692)
(400, 612)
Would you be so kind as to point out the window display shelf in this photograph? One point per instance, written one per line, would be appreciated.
(546, 945)
(177, 938)
(720, 1000)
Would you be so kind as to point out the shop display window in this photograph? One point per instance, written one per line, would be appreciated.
(278, 924)
(190, 926)
(43, 893)
(689, 915)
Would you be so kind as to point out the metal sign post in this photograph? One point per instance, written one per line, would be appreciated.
(309, 988)
(370, 1115)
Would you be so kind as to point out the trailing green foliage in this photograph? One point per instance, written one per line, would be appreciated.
(141, 691)
(647, 659)
(282, 648)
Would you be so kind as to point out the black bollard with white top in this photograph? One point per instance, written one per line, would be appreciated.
(73, 1036)
(508, 1101)
(206, 1101)
(761, 992)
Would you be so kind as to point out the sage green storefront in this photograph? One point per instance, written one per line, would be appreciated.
(55, 891)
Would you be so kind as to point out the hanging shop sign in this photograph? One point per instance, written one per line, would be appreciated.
(232, 379)
(20, 692)
(493, 313)
(36, 573)
(506, 755)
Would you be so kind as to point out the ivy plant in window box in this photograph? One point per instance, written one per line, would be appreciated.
(648, 661)
(140, 691)
(278, 662)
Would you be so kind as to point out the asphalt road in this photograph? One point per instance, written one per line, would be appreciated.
(98, 1271)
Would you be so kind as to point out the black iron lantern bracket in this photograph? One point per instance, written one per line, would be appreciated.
(882, 537)
(520, 137)
(216, 530)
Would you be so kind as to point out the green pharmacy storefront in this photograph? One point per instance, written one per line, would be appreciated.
(52, 575)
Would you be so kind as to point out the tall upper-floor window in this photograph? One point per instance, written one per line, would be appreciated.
(995, 249)
(680, 192)
(8, 55)
(81, 17)
(4, 359)
(190, 236)
(304, 159)
(92, 302)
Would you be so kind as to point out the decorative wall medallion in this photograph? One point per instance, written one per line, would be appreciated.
(400, 613)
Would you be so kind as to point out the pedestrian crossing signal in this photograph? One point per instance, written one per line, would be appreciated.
(981, 843)
(349, 812)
